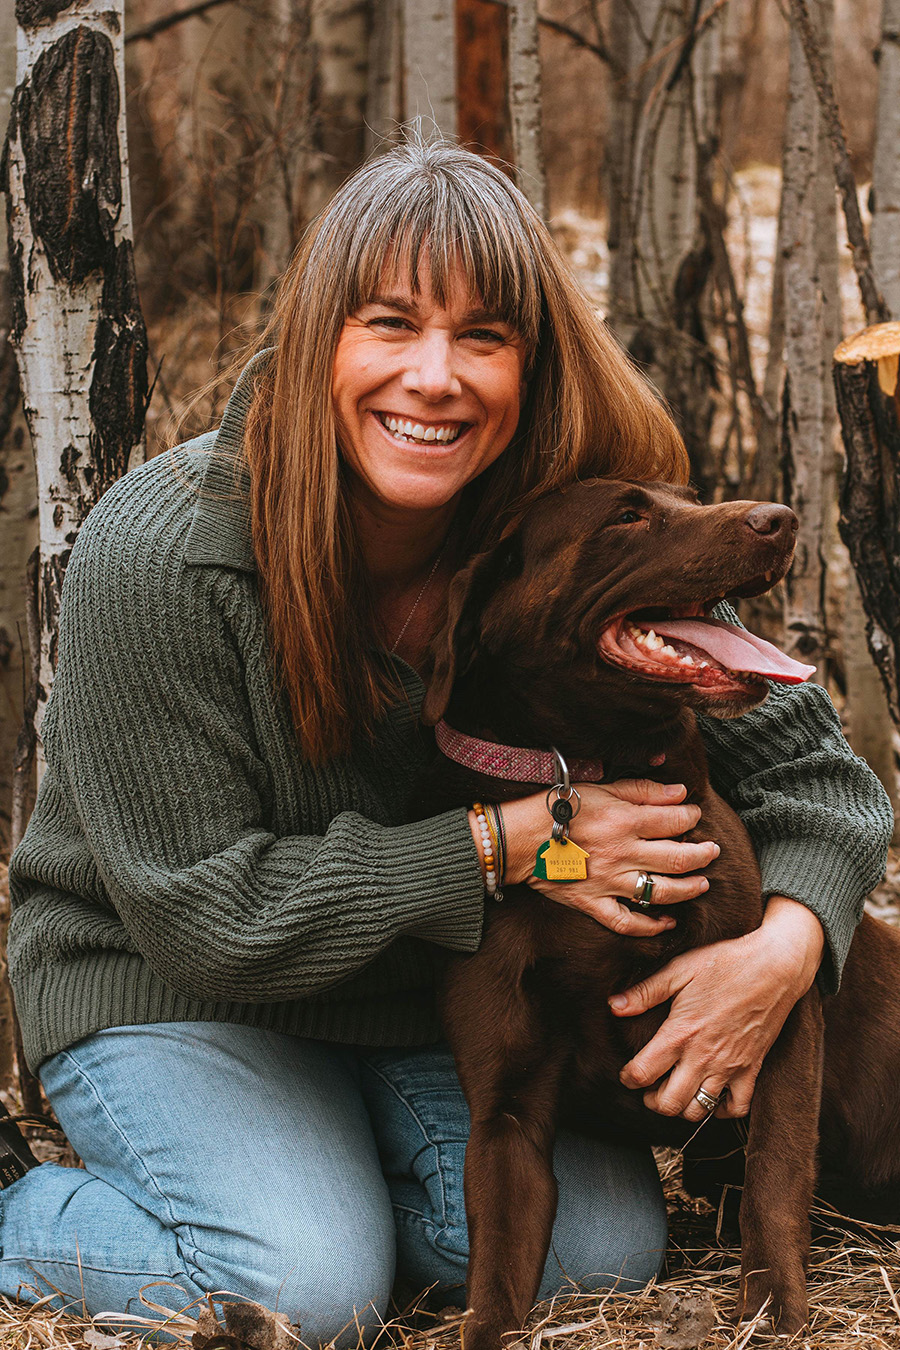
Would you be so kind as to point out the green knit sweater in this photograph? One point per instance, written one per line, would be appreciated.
(184, 863)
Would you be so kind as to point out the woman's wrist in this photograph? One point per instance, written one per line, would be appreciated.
(523, 820)
(797, 937)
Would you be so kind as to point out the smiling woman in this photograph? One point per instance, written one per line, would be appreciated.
(229, 925)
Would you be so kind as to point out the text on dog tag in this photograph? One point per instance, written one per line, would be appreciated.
(561, 860)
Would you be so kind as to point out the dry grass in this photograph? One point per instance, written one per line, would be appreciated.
(854, 1302)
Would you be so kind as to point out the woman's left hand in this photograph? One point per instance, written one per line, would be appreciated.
(729, 1002)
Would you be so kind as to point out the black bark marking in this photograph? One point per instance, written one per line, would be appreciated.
(74, 197)
(118, 393)
(68, 465)
(30, 13)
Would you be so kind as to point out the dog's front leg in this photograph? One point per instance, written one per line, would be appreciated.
(781, 1171)
(511, 1198)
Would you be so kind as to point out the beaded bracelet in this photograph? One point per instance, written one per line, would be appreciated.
(490, 848)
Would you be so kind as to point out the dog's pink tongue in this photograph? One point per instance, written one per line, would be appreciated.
(733, 647)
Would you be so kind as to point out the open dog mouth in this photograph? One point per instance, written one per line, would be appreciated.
(683, 645)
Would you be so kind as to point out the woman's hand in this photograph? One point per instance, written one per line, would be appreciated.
(729, 1002)
(628, 827)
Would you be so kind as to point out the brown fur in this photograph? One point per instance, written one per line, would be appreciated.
(534, 1041)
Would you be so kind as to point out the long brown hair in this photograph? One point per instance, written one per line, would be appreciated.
(587, 410)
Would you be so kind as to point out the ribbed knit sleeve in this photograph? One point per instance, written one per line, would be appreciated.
(819, 819)
(161, 704)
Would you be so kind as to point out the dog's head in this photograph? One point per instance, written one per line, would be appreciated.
(598, 598)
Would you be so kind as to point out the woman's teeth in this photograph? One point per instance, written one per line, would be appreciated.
(419, 434)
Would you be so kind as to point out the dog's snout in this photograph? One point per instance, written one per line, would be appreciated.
(770, 519)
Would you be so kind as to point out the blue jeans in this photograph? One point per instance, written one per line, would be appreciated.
(298, 1174)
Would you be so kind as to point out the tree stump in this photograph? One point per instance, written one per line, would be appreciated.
(868, 396)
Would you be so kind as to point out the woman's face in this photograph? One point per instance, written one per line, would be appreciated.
(425, 397)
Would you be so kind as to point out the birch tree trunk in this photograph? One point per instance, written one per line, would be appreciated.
(429, 66)
(870, 730)
(808, 427)
(338, 64)
(525, 102)
(78, 329)
(383, 111)
(18, 495)
(18, 537)
(665, 115)
(886, 167)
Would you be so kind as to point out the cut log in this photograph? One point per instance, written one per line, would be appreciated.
(868, 397)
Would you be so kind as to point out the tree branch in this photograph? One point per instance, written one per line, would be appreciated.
(873, 301)
(598, 48)
(150, 30)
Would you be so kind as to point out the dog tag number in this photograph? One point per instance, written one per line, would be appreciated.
(561, 860)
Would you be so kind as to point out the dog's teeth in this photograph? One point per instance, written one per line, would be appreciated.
(668, 651)
(704, 665)
(685, 660)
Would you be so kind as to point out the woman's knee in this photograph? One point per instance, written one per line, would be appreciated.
(326, 1277)
(611, 1226)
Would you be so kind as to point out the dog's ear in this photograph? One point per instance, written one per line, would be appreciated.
(457, 643)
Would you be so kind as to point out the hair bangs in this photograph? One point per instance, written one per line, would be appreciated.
(477, 236)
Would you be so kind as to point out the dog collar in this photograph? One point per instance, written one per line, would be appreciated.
(510, 761)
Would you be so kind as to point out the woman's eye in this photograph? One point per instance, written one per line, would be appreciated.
(628, 518)
(484, 335)
(393, 322)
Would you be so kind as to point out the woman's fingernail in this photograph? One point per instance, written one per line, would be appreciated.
(673, 790)
(618, 1001)
(704, 884)
(670, 923)
(718, 850)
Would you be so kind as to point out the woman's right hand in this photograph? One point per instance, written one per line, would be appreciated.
(627, 827)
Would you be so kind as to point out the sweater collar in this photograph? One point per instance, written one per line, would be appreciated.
(219, 534)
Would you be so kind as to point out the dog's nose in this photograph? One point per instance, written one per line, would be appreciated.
(770, 518)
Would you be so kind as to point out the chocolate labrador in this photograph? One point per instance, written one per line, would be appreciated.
(587, 629)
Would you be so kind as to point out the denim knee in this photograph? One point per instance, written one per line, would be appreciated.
(326, 1277)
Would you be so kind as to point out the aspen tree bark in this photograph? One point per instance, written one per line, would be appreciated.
(665, 115)
(866, 378)
(338, 65)
(525, 102)
(18, 537)
(807, 425)
(78, 329)
(870, 727)
(886, 167)
(429, 66)
(383, 97)
(18, 493)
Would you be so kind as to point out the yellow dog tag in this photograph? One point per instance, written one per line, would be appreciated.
(561, 860)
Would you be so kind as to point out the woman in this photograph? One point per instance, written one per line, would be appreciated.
(226, 932)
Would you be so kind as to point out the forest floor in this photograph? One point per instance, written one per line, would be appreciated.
(854, 1285)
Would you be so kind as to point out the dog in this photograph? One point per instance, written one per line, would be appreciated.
(546, 644)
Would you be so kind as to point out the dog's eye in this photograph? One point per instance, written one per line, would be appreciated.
(628, 518)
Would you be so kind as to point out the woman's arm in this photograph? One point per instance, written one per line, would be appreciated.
(819, 819)
(821, 823)
(177, 805)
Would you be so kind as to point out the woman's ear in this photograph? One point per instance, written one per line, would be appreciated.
(456, 646)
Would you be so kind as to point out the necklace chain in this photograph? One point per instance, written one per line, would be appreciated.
(427, 582)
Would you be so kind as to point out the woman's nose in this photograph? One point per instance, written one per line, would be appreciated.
(430, 371)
